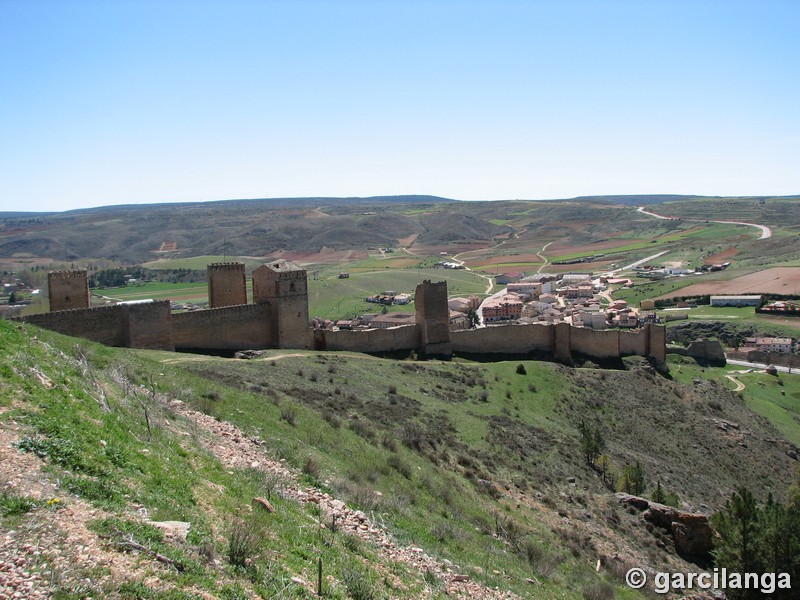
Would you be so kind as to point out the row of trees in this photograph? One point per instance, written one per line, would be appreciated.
(753, 538)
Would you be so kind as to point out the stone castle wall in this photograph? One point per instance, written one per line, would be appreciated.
(246, 326)
(134, 326)
(371, 340)
(278, 318)
(561, 340)
(508, 339)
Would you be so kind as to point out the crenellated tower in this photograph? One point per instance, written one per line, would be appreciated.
(226, 285)
(283, 285)
(68, 289)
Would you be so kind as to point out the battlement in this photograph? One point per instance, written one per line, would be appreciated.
(226, 266)
(67, 273)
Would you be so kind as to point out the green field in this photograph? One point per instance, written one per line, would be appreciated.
(196, 292)
(332, 298)
(711, 231)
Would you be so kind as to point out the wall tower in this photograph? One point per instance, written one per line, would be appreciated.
(433, 318)
(68, 289)
(283, 285)
(226, 285)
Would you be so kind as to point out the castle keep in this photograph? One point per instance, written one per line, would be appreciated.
(278, 318)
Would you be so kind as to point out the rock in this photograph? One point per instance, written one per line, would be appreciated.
(174, 529)
(570, 480)
(693, 536)
(248, 354)
(264, 503)
(635, 501)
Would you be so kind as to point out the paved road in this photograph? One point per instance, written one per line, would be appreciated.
(744, 363)
(766, 232)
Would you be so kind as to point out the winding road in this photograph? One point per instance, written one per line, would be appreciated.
(766, 232)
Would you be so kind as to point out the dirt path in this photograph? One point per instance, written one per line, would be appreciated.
(739, 385)
(766, 232)
(540, 254)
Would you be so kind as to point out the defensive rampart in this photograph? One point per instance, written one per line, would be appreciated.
(508, 339)
(560, 340)
(278, 318)
(246, 326)
(370, 340)
(135, 325)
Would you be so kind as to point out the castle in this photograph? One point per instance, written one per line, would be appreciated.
(278, 318)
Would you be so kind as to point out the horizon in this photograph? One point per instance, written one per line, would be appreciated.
(383, 198)
(163, 103)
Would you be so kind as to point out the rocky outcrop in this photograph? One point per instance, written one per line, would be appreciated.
(691, 533)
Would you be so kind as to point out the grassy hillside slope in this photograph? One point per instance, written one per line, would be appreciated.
(469, 477)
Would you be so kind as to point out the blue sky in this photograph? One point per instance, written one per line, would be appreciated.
(109, 102)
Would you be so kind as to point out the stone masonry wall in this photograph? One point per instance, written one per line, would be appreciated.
(601, 344)
(148, 325)
(103, 324)
(510, 339)
(370, 340)
(231, 328)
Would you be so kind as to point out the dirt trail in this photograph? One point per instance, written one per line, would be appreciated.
(766, 232)
(739, 385)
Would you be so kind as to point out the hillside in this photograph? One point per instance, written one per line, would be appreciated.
(135, 234)
(408, 479)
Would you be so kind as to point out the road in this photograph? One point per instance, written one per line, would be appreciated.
(744, 363)
(766, 232)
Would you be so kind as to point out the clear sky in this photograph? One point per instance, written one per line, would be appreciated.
(115, 101)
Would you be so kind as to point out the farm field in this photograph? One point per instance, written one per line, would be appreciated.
(777, 280)
(178, 292)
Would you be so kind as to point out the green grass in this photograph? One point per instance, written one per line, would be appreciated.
(777, 399)
(472, 460)
(334, 298)
(112, 459)
(713, 231)
(157, 291)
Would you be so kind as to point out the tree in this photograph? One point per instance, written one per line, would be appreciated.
(12, 298)
(632, 480)
(658, 494)
(736, 525)
(592, 443)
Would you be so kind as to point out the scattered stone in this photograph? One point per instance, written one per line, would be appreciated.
(264, 503)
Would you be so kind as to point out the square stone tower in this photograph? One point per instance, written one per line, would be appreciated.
(226, 285)
(433, 318)
(283, 285)
(68, 289)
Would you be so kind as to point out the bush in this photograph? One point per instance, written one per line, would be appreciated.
(289, 414)
(398, 465)
(312, 467)
(357, 584)
(521, 369)
(598, 591)
(244, 540)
